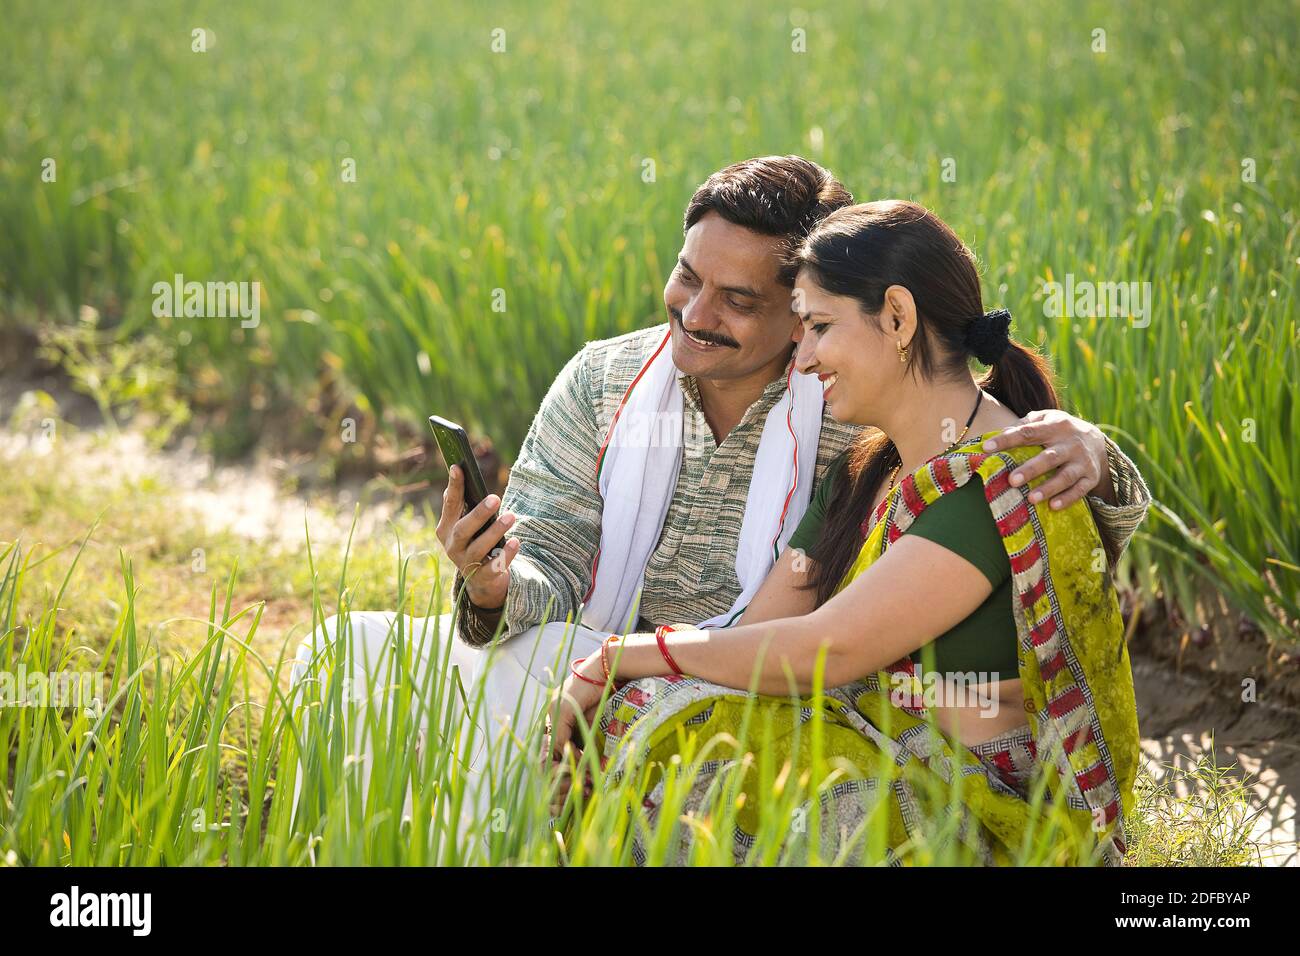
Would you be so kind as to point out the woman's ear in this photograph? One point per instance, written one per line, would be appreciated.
(900, 313)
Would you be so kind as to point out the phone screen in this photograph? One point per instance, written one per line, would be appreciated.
(454, 445)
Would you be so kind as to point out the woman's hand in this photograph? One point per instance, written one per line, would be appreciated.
(575, 696)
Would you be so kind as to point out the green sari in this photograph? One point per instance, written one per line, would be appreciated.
(881, 778)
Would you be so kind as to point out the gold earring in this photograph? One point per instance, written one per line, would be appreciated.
(902, 351)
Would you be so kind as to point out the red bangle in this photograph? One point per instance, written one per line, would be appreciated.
(573, 666)
(660, 631)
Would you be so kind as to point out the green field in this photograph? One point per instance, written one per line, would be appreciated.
(525, 171)
(187, 760)
(510, 205)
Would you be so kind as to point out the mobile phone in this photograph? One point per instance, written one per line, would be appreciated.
(454, 445)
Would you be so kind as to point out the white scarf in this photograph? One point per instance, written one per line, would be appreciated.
(640, 460)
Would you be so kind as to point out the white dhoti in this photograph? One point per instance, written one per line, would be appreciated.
(506, 686)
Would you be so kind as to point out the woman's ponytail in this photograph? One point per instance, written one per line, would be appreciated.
(1017, 377)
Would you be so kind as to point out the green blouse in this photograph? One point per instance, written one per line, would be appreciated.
(985, 641)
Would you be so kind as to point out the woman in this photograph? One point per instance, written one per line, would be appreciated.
(921, 559)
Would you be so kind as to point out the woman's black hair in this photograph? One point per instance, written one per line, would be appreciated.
(860, 251)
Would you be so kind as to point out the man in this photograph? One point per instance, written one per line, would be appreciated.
(609, 526)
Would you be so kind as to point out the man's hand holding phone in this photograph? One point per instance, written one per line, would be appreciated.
(486, 574)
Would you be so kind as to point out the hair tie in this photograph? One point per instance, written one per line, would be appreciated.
(988, 336)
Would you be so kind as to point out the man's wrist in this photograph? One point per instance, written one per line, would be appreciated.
(480, 609)
(465, 588)
(1106, 491)
(476, 625)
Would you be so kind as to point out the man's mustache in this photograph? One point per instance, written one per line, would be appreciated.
(703, 336)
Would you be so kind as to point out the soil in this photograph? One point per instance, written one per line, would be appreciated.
(1190, 708)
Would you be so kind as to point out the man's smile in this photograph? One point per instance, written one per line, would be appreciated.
(695, 340)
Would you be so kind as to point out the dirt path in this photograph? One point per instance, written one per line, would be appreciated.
(1185, 716)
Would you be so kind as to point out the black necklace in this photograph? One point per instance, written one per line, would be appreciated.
(979, 397)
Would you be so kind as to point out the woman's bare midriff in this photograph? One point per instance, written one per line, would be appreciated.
(996, 707)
